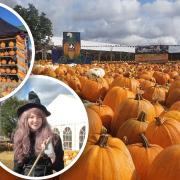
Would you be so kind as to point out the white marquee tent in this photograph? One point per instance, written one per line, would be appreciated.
(69, 118)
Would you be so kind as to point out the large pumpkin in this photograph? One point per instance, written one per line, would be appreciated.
(155, 93)
(130, 83)
(93, 89)
(104, 158)
(174, 93)
(95, 124)
(175, 106)
(143, 155)
(164, 132)
(132, 128)
(131, 108)
(173, 114)
(115, 97)
(105, 112)
(166, 165)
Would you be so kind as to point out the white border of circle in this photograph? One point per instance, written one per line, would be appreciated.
(81, 150)
(33, 52)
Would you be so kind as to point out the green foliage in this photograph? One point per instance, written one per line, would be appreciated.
(8, 116)
(39, 24)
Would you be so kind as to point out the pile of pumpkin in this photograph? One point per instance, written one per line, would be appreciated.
(139, 106)
(69, 156)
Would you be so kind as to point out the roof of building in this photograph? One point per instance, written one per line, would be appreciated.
(97, 46)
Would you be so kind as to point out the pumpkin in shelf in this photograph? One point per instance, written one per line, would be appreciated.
(12, 53)
(8, 70)
(2, 54)
(166, 165)
(3, 45)
(3, 61)
(6, 53)
(132, 128)
(104, 157)
(164, 132)
(2, 70)
(143, 154)
(13, 71)
(11, 44)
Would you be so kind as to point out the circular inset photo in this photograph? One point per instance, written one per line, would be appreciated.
(16, 52)
(43, 129)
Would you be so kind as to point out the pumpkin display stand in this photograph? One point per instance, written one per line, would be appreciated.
(13, 57)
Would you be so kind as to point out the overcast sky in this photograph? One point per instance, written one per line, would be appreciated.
(126, 22)
(46, 88)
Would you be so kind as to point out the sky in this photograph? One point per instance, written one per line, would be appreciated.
(9, 17)
(46, 89)
(125, 22)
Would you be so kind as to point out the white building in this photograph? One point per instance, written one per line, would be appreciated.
(68, 118)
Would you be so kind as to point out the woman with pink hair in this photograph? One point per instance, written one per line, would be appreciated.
(33, 137)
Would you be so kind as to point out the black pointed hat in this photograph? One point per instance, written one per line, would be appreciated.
(33, 102)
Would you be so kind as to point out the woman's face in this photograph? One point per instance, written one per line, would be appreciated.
(34, 122)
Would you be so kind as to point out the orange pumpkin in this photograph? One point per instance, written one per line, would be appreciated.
(132, 128)
(143, 154)
(115, 97)
(105, 112)
(166, 165)
(164, 132)
(130, 83)
(155, 93)
(175, 106)
(105, 158)
(93, 89)
(95, 124)
(131, 109)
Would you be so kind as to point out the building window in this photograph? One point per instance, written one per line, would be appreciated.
(67, 138)
(81, 136)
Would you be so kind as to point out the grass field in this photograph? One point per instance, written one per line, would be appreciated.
(6, 158)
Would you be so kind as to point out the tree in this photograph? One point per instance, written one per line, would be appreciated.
(39, 24)
(8, 115)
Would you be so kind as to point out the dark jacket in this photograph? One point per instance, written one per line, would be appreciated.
(44, 166)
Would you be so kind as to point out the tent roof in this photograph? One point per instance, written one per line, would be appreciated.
(7, 28)
(66, 110)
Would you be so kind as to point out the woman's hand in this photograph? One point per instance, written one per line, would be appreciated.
(44, 143)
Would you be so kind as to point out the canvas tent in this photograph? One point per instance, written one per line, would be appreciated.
(67, 113)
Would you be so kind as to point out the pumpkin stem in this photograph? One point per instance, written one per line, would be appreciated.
(102, 141)
(138, 97)
(142, 117)
(125, 140)
(144, 140)
(158, 121)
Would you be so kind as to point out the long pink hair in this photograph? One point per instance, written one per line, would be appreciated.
(21, 136)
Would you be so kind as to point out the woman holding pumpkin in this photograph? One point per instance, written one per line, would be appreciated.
(34, 138)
